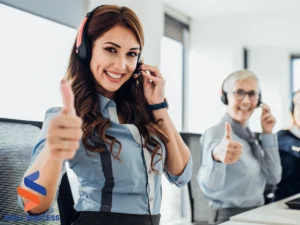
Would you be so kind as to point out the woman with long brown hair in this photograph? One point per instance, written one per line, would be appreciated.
(114, 128)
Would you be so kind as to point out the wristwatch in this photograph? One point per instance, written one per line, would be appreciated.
(162, 105)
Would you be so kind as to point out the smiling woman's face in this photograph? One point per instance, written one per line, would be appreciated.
(114, 59)
(242, 109)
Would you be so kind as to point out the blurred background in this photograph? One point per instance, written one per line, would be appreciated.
(195, 43)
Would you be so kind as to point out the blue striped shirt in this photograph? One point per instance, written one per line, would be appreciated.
(108, 185)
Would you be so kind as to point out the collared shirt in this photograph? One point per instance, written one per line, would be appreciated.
(242, 184)
(109, 185)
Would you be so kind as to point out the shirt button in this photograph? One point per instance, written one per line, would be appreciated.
(150, 199)
(180, 182)
(149, 171)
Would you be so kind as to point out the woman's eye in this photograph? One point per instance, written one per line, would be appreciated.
(132, 54)
(111, 50)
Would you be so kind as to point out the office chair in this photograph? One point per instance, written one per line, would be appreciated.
(199, 204)
(17, 140)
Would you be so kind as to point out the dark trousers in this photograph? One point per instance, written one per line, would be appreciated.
(105, 218)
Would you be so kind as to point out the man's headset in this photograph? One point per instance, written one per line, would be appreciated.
(292, 103)
(224, 98)
(84, 45)
(292, 106)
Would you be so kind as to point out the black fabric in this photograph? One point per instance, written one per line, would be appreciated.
(106, 218)
(290, 162)
(65, 201)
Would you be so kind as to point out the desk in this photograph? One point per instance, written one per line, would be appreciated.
(240, 223)
(276, 213)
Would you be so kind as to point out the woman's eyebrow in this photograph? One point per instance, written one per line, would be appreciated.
(118, 46)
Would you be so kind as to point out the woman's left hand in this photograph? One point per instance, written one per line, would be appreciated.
(267, 119)
(154, 91)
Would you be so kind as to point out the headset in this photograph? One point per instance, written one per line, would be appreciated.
(292, 106)
(292, 102)
(84, 45)
(84, 53)
(224, 98)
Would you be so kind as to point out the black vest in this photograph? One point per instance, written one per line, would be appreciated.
(289, 149)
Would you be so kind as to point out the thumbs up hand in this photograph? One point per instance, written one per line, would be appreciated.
(228, 151)
(68, 99)
(64, 132)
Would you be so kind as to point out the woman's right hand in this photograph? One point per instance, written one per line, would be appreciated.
(228, 151)
(64, 132)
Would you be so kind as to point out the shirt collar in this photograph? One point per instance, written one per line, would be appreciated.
(105, 103)
(295, 131)
(239, 130)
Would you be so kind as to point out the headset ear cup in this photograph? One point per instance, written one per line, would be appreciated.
(292, 108)
(259, 100)
(84, 51)
(83, 44)
(224, 98)
(138, 66)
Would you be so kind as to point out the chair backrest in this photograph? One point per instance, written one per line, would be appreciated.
(17, 141)
(199, 204)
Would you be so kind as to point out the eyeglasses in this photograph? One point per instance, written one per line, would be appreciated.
(240, 95)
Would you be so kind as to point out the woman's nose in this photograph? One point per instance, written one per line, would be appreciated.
(120, 63)
(246, 98)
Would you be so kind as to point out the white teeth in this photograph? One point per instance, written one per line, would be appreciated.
(244, 108)
(116, 76)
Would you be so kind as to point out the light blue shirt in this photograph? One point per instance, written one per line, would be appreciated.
(242, 184)
(109, 185)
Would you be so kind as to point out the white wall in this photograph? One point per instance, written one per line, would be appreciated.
(272, 64)
(216, 50)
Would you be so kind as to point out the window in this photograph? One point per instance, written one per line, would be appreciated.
(34, 52)
(173, 48)
(295, 73)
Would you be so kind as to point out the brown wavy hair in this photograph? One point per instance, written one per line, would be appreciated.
(130, 100)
